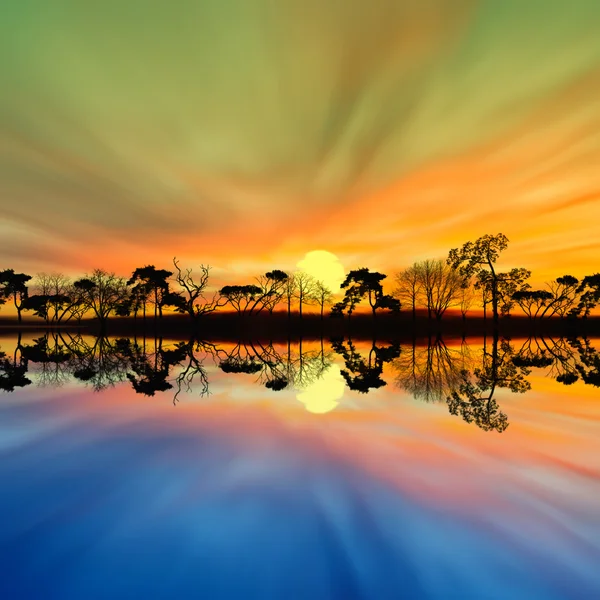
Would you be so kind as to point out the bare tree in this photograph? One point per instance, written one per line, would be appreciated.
(289, 291)
(409, 288)
(322, 295)
(195, 302)
(55, 288)
(466, 298)
(305, 289)
(441, 285)
(102, 293)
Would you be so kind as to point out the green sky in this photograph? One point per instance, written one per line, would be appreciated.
(177, 121)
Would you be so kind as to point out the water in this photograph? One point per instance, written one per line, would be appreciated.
(166, 469)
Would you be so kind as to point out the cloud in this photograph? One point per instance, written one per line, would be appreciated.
(214, 128)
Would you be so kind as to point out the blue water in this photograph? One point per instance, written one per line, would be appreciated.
(142, 499)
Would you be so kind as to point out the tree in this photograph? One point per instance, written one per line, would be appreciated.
(305, 289)
(322, 295)
(156, 282)
(362, 283)
(589, 295)
(532, 301)
(466, 297)
(507, 284)
(194, 301)
(289, 292)
(272, 286)
(479, 256)
(55, 287)
(14, 285)
(565, 295)
(408, 288)
(510, 283)
(441, 285)
(39, 305)
(240, 296)
(102, 293)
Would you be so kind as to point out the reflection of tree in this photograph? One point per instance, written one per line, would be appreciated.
(431, 372)
(568, 360)
(276, 370)
(474, 398)
(588, 365)
(51, 356)
(150, 370)
(100, 362)
(362, 374)
(13, 370)
(188, 354)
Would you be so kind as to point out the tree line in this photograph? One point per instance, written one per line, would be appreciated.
(469, 275)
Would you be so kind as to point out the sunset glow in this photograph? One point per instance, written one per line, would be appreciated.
(401, 130)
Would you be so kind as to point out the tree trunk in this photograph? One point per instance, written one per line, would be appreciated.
(495, 302)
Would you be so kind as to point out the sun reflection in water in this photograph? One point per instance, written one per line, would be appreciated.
(324, 394)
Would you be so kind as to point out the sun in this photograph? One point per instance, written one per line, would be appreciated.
(324, 266)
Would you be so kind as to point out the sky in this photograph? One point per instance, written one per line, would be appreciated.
(247, 133)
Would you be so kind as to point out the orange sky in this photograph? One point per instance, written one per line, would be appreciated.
(401, 130)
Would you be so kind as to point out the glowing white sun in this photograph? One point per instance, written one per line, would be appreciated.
(324, 266)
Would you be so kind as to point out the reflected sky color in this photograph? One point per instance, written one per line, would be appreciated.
(245, 493)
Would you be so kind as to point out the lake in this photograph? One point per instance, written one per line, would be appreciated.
(318, 469)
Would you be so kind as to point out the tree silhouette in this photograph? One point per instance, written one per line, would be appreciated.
(155, 280)
(305, 289)
(55, 287)
(466, 298)
(409, 285)
(289, 292)
(532, 301)
(322, 295)
(362, 283)
(478, 258)
(440, 286)
(272, 289)
(14, 285)
(565, 294)
(240, 296)
(589, 295)
(193, 300)
(101, 292)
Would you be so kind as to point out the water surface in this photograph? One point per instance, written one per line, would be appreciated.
(151, 468)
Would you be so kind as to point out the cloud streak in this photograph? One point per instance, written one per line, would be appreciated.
(210, 130)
